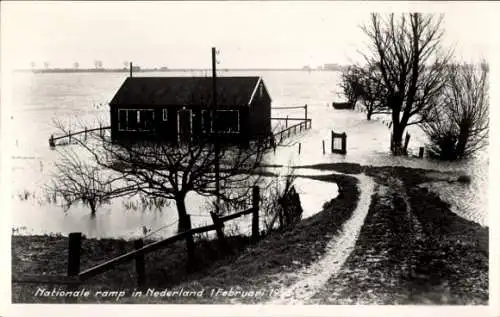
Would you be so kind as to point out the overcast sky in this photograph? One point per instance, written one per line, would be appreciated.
(180, 34)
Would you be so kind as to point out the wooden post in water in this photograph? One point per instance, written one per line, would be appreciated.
(140, 266)
(392, 142)
(344, 143)
(323, 147)
(407, 140)
(255, 213)
(74, 249)
(421, 152)
(332, 141)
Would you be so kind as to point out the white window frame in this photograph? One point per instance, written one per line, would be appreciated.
(227, 132)
(138, 111)
(165, 114)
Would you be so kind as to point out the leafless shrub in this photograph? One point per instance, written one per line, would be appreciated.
(459, 126)
(277, 213)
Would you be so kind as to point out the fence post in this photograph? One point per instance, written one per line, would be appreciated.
(305, 112)
(74, 248)
(190, 245)
(332, 141)
(344, 143)
(52, 142)
(69, 136)
(255, 213)
(323, 146)
(140, 264)
(85, 133)
(421, 152)
(286, 122)
(300, 144)
(219, 225)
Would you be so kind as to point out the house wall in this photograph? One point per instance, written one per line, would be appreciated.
(259, 117)
(167, 130)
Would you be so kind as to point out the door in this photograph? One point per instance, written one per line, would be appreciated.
(184, 125)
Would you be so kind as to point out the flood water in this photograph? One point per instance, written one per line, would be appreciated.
(81, 99)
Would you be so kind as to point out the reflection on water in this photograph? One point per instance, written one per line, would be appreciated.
(34, 216)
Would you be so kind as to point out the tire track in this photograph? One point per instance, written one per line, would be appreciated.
(312, 278)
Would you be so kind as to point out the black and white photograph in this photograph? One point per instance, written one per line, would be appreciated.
(294, 155)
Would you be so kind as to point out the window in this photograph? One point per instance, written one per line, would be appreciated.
(227, 121)
(165, 114)
(135, 120)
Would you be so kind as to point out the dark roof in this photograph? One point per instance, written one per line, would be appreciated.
(150, 91)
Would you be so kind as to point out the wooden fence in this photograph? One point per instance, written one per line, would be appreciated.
(69, 136)
(75, 276)
(305, 124)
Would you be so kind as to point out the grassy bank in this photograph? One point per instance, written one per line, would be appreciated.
(250, 267)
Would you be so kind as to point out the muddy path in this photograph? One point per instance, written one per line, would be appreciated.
(411, 250)
(310, 279)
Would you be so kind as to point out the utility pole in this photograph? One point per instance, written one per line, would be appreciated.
(216, 139)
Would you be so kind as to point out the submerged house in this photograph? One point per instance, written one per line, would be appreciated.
(182, 109)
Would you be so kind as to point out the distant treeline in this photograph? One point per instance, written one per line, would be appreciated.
(125, 70)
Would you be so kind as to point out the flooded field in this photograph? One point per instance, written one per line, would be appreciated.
(75, 99)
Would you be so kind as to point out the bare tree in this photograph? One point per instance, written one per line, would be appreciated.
(459, 126)
(350, 84)
(407, 52)
(171, 171)
(372, 93)
(77, 180)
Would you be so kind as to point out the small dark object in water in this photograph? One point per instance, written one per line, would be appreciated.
(466, 179)
(342, 105)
